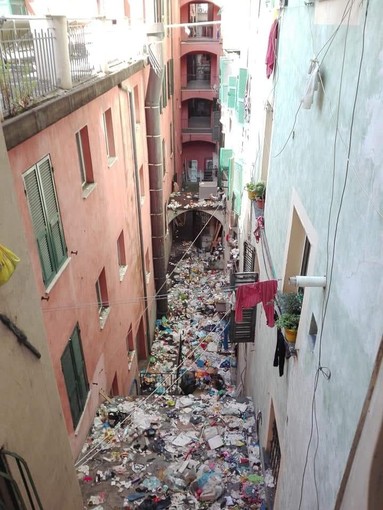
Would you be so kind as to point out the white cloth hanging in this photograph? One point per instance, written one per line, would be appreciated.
(312, 85)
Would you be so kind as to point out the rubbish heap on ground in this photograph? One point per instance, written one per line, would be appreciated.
(195, 451)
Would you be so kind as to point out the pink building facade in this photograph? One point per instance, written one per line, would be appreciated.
(200, 49)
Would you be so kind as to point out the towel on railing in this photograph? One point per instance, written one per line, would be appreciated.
(251, 294)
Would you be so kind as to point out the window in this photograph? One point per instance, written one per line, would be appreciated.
(142, 184)
(298, 256)
(84, 157)
(136, 105)
(147, 266)
(163, 157)
(171, 139)
(102, 298)
(109, 136)
(74, 370)
(130, 349)
(43, 205)
(121, 255)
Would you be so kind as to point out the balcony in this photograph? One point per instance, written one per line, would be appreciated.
(40, 57)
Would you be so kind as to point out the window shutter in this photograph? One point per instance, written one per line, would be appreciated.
(52, 211)
(242, 80)
(39, 224)
(70, 382)
(79, 366)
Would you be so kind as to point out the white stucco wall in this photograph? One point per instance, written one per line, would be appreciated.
(310, 169)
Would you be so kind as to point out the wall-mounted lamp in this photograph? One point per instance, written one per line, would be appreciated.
(308, 281)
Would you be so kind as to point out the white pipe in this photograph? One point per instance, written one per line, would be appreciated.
(308, 281)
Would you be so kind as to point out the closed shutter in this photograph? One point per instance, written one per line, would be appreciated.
(232, 92)
(70, 383)
(241, 85)
(52, 212)
(80, 368)
(40, 225)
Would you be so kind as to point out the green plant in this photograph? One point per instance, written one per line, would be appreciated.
(250, 186)
(260, 189)
(290, 304)
(288, 321)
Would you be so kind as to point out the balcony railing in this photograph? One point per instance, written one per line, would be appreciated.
(27, 67)
(35, 63)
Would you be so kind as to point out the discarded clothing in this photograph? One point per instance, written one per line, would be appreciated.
(251, 294)
(272, 49)
(280, 353)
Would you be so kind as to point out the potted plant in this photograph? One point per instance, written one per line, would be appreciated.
(291, 305)
(289, 322)
(250, 188)
(257, 192)
(260, 194)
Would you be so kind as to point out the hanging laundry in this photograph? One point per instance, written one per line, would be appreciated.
(251, 294)
(312, 85)
(272, 49)
(280, 353)
(260, 225)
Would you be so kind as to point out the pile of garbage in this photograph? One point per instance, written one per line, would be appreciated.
(189, 440)
(186, 452)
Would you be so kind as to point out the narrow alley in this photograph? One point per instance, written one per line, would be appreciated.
(189, 440)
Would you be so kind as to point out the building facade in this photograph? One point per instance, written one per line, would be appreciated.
(312, 137)
(92, 190)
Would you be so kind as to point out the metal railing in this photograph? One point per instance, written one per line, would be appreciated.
(79, 51)
(27, 67)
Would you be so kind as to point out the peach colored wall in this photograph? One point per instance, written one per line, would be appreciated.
(31, 422)
(199, 151)
(92, 227)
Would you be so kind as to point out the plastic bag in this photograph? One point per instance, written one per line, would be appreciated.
(8, 263)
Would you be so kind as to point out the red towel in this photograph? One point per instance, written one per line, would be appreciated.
(251, 294)
(271, 49)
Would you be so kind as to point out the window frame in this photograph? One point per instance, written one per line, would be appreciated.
(84, 158)
(80, 390)
(110, 145)
(121, 255)
(102, 298)
(40, 190)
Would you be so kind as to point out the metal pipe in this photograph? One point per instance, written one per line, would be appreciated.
(155, 163)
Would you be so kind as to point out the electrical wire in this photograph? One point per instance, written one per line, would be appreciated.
(325, 371)
(137, 299)
(101, 443)
(347, 11)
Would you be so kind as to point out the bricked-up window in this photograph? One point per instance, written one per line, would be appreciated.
(109, 135)
(84, 157)
(46, 219)
(74, 370)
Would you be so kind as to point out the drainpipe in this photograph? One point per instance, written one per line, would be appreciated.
(154, 143)
(139, 215)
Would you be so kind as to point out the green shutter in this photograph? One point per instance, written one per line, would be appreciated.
(172, 75)
(237, 187)
(52, 212)
(70, 383)
(232, 92)
(241, 85)
(39, 224)
(241, 112)
(80, 368)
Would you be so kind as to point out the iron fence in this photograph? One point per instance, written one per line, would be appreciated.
(79, 53)
(27, 67)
